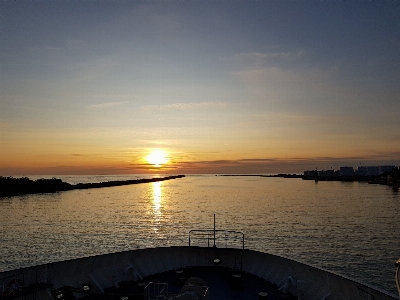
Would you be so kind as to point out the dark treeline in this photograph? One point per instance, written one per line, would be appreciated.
(10, 186)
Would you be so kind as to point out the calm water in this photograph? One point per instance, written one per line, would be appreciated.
(350, 228)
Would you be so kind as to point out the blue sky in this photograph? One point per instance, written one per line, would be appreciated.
(221, 86)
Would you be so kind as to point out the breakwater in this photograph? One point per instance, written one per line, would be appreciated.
(10, 186)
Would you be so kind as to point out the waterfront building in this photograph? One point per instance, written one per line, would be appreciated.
(361, 171)
(373, 171)
(369, 171)
(346, 172)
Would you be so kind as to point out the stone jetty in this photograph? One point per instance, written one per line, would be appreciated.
(10, 186)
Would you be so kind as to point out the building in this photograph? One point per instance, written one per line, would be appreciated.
(361, 172)
(367, 171)
(373, 171)
(346, 172)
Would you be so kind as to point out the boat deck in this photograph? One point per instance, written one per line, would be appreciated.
(223, 284)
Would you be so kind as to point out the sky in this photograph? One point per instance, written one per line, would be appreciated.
(93, 87)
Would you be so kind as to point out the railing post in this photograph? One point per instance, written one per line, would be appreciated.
(214, 231)
(211, 234)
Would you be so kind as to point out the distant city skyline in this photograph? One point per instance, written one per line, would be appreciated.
(184, 87)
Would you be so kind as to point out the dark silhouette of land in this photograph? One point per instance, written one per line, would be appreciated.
(391, 178)
(282, 175)
(10, 186)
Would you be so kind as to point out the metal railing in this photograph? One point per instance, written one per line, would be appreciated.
(155, 290)
(216, 238)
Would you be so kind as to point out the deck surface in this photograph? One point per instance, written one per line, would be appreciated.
(221, 282)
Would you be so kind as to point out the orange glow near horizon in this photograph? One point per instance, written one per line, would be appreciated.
(35, 159)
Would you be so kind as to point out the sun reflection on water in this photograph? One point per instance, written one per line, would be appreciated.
(157, 205)
(157, 198)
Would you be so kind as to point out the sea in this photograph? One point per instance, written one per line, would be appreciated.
(351, 228)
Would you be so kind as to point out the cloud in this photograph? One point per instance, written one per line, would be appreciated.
(313, 77)
(106, 105)
(277, 165)
(150, 167)
(196, 106)
(262, 59)
(251, 56)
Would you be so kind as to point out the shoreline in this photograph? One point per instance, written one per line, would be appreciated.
(281, 175)
(370, 180)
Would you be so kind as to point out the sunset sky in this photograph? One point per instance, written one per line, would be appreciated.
(93, 87)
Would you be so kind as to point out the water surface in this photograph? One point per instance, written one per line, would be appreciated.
(351, 228)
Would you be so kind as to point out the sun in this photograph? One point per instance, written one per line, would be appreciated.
(157, 157)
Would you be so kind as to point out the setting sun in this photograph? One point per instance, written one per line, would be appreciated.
(157, 157)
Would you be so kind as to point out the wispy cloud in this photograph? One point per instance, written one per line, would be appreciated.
(261, 59)
(106, 105)
(194, 106)
(261, 55)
